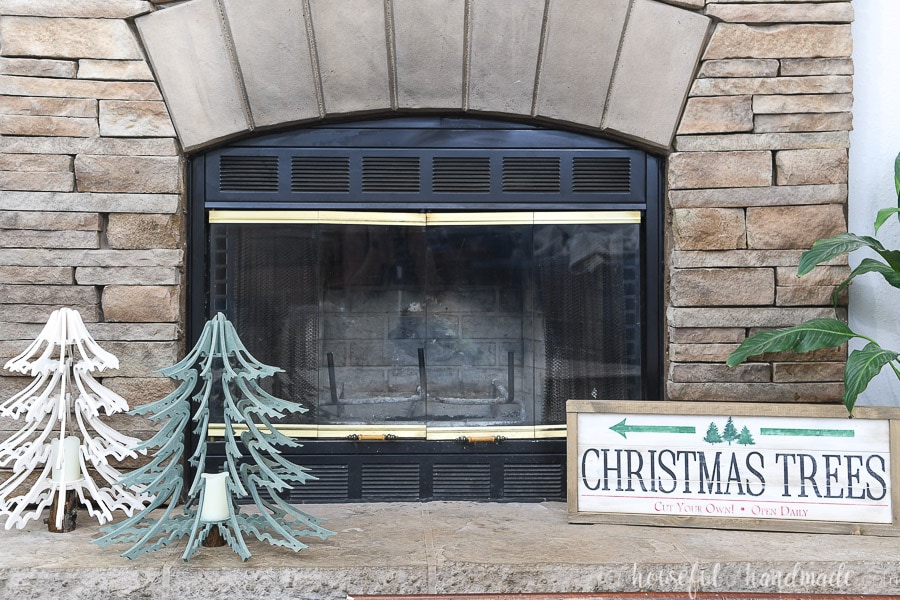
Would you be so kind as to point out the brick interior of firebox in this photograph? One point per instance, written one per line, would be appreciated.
(468, 333)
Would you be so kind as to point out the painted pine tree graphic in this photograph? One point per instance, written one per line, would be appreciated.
(730, 433)
(745, 438)
(712, 434)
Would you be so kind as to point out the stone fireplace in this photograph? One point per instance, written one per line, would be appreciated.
(107, 108)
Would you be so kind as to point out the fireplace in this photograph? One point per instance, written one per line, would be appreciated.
(434, 291)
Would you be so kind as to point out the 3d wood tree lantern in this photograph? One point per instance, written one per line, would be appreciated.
(62, 452)
(218, 364)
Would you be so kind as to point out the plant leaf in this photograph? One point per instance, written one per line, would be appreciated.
(870, 265)
(826, 249)
(883, 215)
(811, 335)
(896, 183)
(862, 366)
(843, 243)
(897, 176)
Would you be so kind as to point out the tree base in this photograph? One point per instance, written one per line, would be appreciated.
(214, 539)
(70, 513)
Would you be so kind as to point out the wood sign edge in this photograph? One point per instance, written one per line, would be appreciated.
(576, 407)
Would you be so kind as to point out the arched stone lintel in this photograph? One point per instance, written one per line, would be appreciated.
(616, 67)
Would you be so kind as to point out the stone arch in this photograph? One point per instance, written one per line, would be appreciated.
(621, 68)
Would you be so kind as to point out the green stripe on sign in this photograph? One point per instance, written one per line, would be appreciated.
(621, 428)
(807, 432)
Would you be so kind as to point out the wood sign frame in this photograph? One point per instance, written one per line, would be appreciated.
(775, 467)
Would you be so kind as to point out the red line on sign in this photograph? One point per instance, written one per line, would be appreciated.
(729, 499)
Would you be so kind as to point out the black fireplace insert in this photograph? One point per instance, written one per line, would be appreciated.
(434, 290)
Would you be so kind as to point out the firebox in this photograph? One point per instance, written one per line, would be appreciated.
(434, 290)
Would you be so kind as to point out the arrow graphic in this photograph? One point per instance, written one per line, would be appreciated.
(621, 428)
(807, 432)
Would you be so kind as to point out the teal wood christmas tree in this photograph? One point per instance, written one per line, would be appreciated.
(224, 366)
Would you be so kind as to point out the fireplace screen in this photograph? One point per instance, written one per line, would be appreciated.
(434, 289)
(434, 325)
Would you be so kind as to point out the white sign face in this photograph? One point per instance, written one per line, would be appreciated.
(793, 468)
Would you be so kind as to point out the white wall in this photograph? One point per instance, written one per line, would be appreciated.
(874, 143)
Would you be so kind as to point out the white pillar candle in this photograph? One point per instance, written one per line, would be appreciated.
(216, 506)
(71, 462)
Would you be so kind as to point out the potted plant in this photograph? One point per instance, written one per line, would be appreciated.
(862, 364)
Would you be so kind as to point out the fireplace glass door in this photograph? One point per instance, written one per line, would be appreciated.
(434, 325)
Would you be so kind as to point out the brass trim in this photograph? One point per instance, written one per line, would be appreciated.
(517, 432)
(512, 432)
(312, 217)
(260, 216)
(342, 217)
(217, 430)
(403, 219)
(535, 218)
(398, 431)
(550, 431)
(594, 216)
(476, 218)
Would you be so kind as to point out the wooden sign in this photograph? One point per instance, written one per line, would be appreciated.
(780, 467)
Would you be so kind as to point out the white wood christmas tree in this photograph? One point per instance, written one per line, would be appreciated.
(62, 442)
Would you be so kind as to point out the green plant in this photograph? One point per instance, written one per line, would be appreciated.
(862, 364)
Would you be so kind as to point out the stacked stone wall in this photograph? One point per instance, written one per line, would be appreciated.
(758, 173)
(92, 190)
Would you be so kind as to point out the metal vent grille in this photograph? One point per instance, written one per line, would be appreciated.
(531, 174)
(218, 277)
(331, 483)
(248, 173)
(263, 494)
(528, 481)
(461, 174)
(320, 174)
(601, 174)
(462, 481)
(390, 482)
(390, 174)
